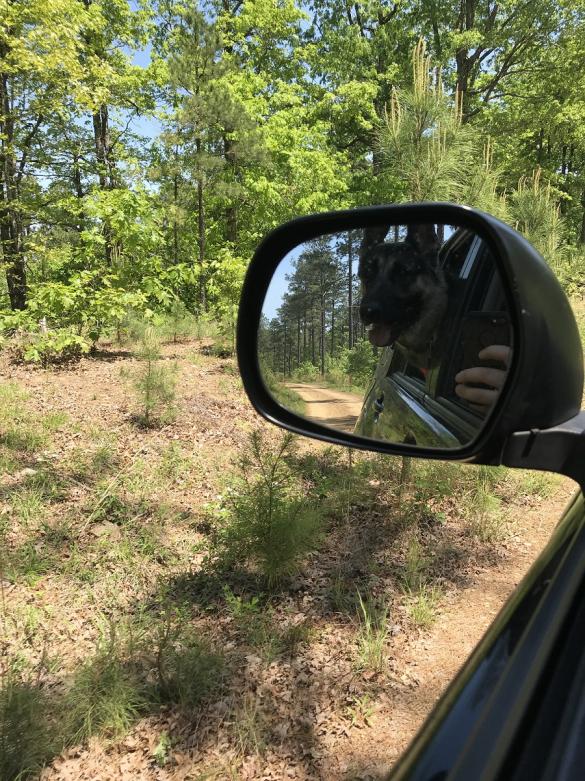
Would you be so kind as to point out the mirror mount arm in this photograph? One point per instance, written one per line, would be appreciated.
(558, 449)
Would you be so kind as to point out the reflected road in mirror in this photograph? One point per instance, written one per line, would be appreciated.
(333, 408)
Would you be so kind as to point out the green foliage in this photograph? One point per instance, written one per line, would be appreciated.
(361, 363)
(50, 348)
(265, 518)
(179, 323)
(424, 140)
(337, 368)
(538, 216)
(162, 750)
(306, 372)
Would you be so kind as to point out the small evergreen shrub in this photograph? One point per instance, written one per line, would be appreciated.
(108, 694)
(154, 382)
(265, 518)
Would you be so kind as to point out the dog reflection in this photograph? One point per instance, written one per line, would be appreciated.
(404, 292)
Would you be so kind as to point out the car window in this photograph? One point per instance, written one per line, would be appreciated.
(477, 316)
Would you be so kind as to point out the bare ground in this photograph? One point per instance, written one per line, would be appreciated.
(307, 713)
(334, 408)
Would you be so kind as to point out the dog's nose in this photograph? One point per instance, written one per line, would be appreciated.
(370, 313)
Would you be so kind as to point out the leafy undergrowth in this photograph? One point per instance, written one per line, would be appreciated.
(208, 596)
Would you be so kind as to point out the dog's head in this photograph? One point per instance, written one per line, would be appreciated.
(403, 292)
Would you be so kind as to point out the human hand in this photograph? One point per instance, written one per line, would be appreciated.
(494, 378)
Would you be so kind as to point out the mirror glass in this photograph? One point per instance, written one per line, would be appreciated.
(399, 333)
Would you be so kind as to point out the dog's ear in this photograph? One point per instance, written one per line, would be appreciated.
(423, 237)
(372, 237)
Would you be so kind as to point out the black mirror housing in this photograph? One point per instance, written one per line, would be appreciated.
(545, 382)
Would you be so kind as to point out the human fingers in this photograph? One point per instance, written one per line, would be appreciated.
(483, 374)
(484, 397)
(496, 352)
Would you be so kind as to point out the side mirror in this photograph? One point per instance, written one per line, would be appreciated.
(426, 329)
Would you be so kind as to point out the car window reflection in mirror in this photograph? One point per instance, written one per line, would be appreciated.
(399, 333)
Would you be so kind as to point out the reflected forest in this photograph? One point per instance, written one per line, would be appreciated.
(316, 332)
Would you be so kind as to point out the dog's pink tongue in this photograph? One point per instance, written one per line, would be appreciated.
(380, 335)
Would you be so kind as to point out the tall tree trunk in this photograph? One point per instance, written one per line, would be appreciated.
(322, 341)
(106, 171)
(79, 193)
(582, 232)
(350, 288)
(175, 205)
(11, 227)
(313, 356)
(540, 146)
(201, 235)
(332, 326)
(232, 210)
(284, 352)
(298, 339)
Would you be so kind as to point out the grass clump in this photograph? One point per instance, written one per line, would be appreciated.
(28, 505)
(30, 562)
(265, 518)
(26, 740)
(108, 694)
(189, 669)
(422, 605)
(372, 635)
(175, 464)
(250, 727)
(416, 564)
(20, 432)
(486, 520)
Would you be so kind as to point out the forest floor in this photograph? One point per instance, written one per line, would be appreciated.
(105, 530)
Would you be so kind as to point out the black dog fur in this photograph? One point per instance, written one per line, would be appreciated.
(404, 292)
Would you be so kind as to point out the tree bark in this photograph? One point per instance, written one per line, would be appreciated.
(350, 289)
(232, 209)
(11, 226)
(201, 235)
(582, 232)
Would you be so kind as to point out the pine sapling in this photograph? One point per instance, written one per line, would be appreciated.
(154, 382)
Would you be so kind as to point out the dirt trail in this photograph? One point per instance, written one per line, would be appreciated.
(334, 408)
